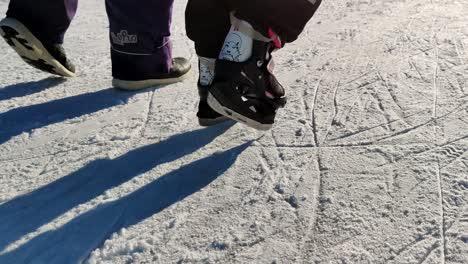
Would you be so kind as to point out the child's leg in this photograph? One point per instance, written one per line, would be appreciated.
(47, 20)
(207, 24)
(208, 21)
(244, 87)
(264, 20)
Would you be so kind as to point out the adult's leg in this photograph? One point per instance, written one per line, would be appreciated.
(47, 20)
(35, 30)
(140, 41)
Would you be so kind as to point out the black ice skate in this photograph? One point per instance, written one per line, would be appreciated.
(206, 115)
(46, 57)
(248, 92)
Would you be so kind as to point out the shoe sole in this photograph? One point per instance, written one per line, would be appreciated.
(213, 103)
(144, 84)
(206, 122)
(30, 49)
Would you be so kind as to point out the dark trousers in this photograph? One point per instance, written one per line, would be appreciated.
(139, 32)
(208, 21)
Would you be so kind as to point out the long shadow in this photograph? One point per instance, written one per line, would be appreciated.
(73, 242)
(28, 88)
(25, 119)
(25, 214)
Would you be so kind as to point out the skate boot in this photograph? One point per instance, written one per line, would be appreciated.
(179, 71)
(247, 91)
(47, 57)
(206, 115)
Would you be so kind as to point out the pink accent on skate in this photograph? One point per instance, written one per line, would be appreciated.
(276, 40)
(269, 95)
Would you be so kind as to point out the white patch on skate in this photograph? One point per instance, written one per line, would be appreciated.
(232, 48)
(206, 75)
(237, 47)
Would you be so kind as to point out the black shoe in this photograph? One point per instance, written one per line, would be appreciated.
(247, 91)
(206, 115)
(44, 56)
(179, 71)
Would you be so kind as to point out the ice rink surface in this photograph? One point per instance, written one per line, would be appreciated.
(368, 162)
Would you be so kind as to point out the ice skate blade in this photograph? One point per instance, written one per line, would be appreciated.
(144, 84)
(213, 103)
(30, 49)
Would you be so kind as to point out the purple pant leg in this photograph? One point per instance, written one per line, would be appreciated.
(48, 20)
(139, 35)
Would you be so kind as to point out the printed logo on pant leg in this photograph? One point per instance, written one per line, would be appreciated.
(123, 38)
